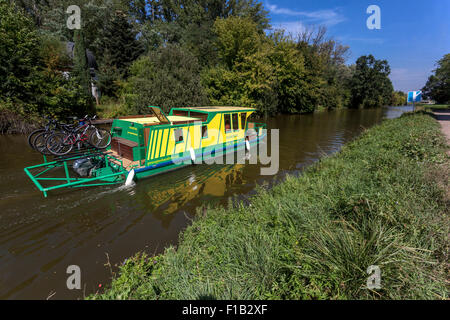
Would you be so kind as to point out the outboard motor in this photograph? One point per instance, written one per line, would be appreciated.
(83, 166)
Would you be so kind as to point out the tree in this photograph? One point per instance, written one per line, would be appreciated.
(19, 54)
(244, 75)
(31, 80)
(438, 85)
(118, 41)
(186, 52)
(267, 73)
(236, 38)
(168, 77)
(58, 96)
(80, 70)
(398, 98)
(189, 22)
(109, 77)
(33, 8)
(250, 83)
(370, 84)
(185, 12)
(117, 47)
(296, 93)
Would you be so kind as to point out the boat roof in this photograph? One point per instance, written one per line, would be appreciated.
(178, 119)
(154, 120)
(219, 109)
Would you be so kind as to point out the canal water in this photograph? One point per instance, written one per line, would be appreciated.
(93, 227)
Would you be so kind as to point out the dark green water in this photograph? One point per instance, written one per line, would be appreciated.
(40, 237)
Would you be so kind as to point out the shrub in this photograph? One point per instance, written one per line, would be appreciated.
(168, 77)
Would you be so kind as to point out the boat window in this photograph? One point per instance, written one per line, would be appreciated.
(243, 116)
(178, 135)
(204, 131)
(180, 113)
(235, 121)
(227, 120)
(201, 116)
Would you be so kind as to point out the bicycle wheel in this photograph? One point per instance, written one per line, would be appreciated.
(39, 142)
(100, 138)
(58, 144)
(32, 136)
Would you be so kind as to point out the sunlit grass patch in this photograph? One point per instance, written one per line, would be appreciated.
(377, 202)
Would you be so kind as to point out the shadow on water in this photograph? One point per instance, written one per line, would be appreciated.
(40, 237)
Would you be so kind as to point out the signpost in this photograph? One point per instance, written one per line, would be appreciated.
(414, 96)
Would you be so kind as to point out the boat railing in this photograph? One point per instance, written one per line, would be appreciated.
(257, 126)
(44, 173)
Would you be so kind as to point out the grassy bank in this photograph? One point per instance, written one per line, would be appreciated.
(380, 201)
(430, 107)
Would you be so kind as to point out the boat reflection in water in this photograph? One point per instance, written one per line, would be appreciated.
(163, 197)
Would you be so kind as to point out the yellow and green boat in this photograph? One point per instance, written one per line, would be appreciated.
(146, 145)
(156, 143)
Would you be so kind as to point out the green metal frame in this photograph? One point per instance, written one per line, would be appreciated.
(118, 174)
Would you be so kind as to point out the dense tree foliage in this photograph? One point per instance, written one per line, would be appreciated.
(168, 77)
(80, 72)
(438, 84)
(277, 73)
(179, 53)
(58, 96)
(50, 16)
(116, 47)
(189, 22)
(398, 98)
(31, 78)
(370, 84)
(19, 47)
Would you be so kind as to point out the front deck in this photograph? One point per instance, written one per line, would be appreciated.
(55, 174)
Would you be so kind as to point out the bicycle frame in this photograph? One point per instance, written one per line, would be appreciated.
(75, 136)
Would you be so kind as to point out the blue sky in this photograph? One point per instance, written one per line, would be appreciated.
(414, 34)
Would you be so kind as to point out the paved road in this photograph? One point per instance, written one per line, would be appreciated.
(443, 117)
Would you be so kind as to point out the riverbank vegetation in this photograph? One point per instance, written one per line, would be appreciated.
(31, 81)
(431, 107)
(152, 52)
(382, 200)
(437, 87)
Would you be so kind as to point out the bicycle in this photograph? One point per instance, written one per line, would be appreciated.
(37, 138)
(62, 143)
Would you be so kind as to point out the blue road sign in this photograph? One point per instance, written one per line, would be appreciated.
(415, 96)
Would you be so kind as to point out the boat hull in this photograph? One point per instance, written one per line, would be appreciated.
(170, 165)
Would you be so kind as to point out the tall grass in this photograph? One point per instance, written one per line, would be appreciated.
(377, 202)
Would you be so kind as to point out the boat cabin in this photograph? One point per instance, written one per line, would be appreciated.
(146, 140)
